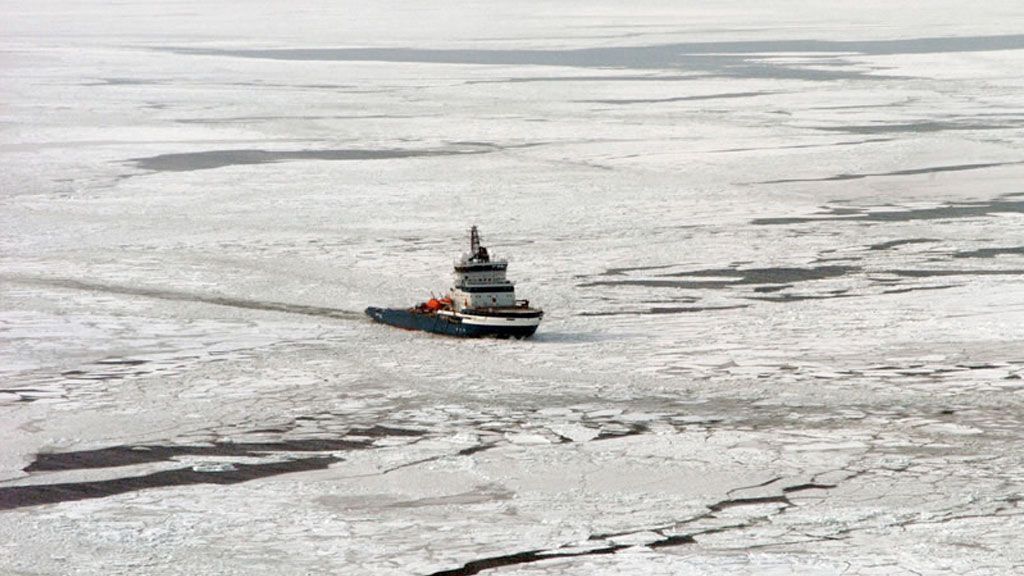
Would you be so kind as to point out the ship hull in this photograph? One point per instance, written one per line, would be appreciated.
(456, 325)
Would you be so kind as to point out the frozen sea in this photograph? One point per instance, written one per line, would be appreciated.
(780, 246)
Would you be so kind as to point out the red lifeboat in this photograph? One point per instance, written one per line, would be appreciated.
(434, 305)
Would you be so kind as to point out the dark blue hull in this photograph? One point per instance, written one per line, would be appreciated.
(446, 325)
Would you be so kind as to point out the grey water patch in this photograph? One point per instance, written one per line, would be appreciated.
(890, 244)
(660, 284)
(124, 82)
(496, 146)
(935, 273)
(484, 496)
(907, 172)
(801, 297)
(253, 119)
(798, 146)
(182, 296)
(611, 430)
(842, 210)
(652, 56)
(717, 59)
(324, 86)
(990, 252)
(622, 271)
(753, 67)
(475, 449)
(31, 394)
(784, 221)
(782, 275)
(722, 96)
(108, 370)
(210, 159)
(912, 127)
(772, 288)
(675, 300)
(904, 102)
(1004, 204)
(263, 84)
(664, 310)
(720, 278)
(919, 288)
(586, 78)
(122, 362)
(560, 38)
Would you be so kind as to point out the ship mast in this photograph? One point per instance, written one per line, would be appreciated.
(477, 252)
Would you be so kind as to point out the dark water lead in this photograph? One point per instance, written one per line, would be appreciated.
(943, 273)
(664, 310)
(34, 495)
(210, 159)
(668, 536)
(1007, 204)
(914, 127)
(696, 97)
(634, 57)
(908, 172)
(478, 566)
(125, 82)
(900, 242)
(714, 65)
(784, 298)
(256, 119)
(223, 473)
(736, 59)
(920, 288)
(797, 146)
(31, 394)
(732, 277)
(582, 78)
(130, 455)
(990, 252)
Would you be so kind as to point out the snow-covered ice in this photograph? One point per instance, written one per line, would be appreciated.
(780, 246)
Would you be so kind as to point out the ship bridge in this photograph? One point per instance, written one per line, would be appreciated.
(480, 282)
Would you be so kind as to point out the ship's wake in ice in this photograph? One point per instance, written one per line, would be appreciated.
(184, 296)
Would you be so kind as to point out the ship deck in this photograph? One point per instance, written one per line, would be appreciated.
(505, 312)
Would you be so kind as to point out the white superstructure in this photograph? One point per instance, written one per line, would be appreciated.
(480, 282)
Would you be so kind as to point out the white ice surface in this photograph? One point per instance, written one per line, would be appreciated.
(782, 285)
